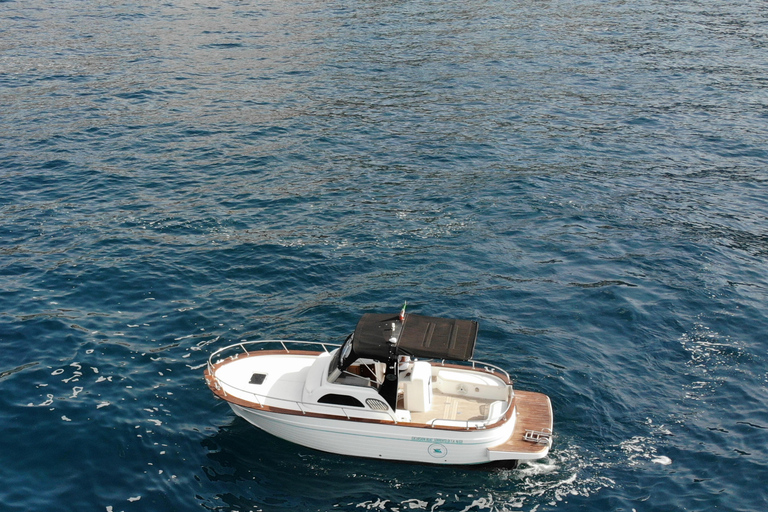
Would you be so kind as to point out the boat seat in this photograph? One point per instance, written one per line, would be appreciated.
(495, 410)
(417, 387)
(474, 384)
(314, 375)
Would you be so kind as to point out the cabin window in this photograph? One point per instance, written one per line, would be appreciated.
(335, 399)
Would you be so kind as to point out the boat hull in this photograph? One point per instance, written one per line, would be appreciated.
(386, 441)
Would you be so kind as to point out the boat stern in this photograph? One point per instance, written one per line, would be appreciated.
(531, 437)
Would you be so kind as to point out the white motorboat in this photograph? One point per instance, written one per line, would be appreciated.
(400, 388)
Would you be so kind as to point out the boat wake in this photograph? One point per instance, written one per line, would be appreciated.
(556, 479)
(564, 476)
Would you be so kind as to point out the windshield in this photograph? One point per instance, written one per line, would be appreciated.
(342, 357)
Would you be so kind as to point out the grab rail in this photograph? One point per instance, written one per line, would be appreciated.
(491, 368)
(471, 362)
(218, 355)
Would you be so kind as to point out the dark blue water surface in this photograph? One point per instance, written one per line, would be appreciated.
(588, 179)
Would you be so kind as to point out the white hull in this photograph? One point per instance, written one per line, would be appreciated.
(381, 441)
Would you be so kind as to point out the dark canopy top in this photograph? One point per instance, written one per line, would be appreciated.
(418, 336)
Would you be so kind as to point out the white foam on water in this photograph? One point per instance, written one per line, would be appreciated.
(415, 504)
(47, 402)
(551, 481)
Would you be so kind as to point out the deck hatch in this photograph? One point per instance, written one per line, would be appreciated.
(257, 378)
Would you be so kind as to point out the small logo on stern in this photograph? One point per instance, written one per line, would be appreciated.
(438, 451)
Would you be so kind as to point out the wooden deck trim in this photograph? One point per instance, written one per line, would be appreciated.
(534, 412)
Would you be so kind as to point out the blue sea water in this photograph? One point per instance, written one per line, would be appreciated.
(587, 179)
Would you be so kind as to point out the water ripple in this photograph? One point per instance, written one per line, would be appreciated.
(585, 179)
